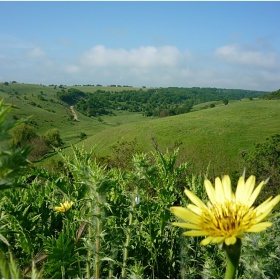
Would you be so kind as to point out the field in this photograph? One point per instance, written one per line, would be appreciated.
(216, 135)
(21, 95)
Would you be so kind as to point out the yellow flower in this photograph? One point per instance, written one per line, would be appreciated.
(227, 215)
(64, 207)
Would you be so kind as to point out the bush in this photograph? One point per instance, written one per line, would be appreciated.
(40, 148)
(53, 138)
(83, 135)
(22, 134)
(264, 160)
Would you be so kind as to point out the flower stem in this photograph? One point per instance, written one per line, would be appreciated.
(232, 255)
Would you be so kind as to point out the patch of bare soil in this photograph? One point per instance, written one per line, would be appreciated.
(74, 113)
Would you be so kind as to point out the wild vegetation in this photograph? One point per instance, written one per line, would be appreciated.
(274, 95)
(157, 102)
(123, 185)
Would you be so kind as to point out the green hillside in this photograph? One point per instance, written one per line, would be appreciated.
(49, 112)
(218, 135)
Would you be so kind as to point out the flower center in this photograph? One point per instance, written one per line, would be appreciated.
(227, 219)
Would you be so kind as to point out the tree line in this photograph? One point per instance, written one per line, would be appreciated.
(274, 95)
(158, 102)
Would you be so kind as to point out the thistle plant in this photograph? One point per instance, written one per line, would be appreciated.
(91, 182)
(227, 216)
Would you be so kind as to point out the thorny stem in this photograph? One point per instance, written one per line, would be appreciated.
(90, 233)
(232, 255)
(97, 242)
(125, 253)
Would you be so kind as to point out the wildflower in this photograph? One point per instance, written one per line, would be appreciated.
(227, 215)
(64, 207)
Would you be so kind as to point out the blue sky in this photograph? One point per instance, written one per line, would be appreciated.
(153, 44)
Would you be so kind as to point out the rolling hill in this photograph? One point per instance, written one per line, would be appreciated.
(217, 135)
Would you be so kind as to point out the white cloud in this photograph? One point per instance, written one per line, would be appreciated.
(36, 53)
(12, 42)
(71, 69)
(231, 66)
(143, 57)
(240, 54)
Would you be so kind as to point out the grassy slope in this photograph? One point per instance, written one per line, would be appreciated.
(217, 135)
(62, 117)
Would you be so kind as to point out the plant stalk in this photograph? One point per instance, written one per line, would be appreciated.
(90, 233)
(125, 253)
(97, 242)
(232, 254)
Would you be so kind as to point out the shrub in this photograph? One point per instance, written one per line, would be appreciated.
(264, 160)
(53, 138)
(40, 148)
(83, 135)
(22, 134)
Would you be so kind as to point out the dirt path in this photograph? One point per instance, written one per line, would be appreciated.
(74, 113)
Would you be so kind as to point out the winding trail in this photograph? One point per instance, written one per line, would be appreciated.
(74, 113)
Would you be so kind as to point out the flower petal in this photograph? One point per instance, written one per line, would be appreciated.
(218, 239)
(259, 227)
(262, 216)
(269, 205)
(259, 208)
(195, 233)
(240, 189)
(206, 241)
(195, 209)
(219, 191)
(194, 199)
(185, 225)
(184, 214)
(249, 187)
(227, 187)
(210, 191)
(255, 194)
(230, 240)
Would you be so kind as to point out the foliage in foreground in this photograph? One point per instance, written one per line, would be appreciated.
(119, 224)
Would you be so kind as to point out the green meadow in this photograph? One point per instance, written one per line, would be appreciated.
(54, 113)
(216, 136)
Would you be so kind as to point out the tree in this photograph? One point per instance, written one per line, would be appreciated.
(53, 138)
(13, 162)
(225, 101)
(22, 134)
(40, 148)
